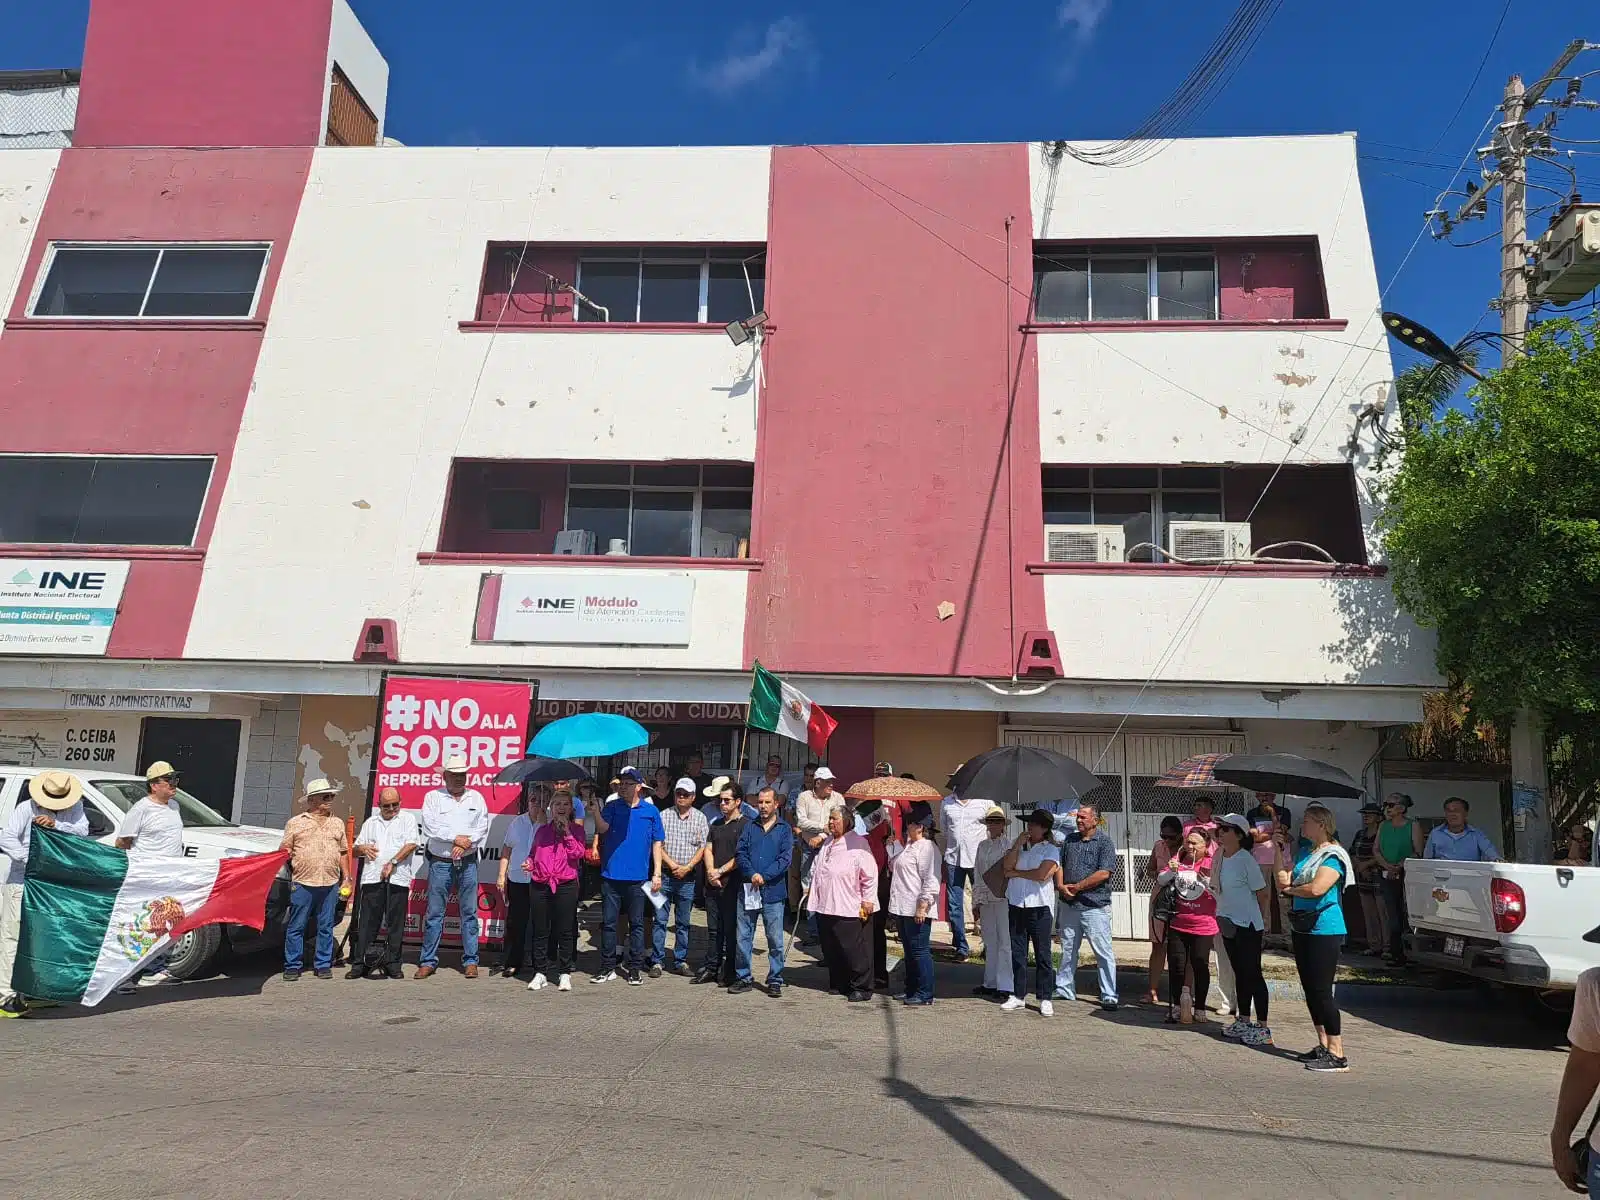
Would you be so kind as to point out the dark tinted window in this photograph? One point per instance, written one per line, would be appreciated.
(602, 511)
(599, 473)
(102, 501)
(205, 283)
(724, 522)
(1120, 289)
(96, 283)
(730, 296)
(1060, 288)
(1186, 287)
(163, 281)
(613, 286)
(670, 292)
(660, 476)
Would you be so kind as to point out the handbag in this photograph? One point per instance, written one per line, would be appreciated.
(1580, 1149)
(1164, 904)
(1304, 920)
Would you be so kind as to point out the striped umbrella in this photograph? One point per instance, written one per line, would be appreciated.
(1194, 772)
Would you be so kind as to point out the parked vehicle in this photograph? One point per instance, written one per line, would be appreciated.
(206, 834)
(1513, 923)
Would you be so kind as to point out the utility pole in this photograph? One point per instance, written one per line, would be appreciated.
(1514, 220)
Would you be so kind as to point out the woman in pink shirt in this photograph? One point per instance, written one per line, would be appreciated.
(558, 849)
(1192, 927)
(844, 895)
(914, 899)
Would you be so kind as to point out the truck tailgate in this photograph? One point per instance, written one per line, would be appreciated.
(1454, 897)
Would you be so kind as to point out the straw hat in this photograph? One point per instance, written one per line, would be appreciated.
(55, 791)
(320, 787)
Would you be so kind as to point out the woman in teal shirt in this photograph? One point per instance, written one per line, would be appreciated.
(1321, 871)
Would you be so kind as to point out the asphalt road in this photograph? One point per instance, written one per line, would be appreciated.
(246, 1086)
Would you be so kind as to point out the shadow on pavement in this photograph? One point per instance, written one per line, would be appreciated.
(1469, 1016)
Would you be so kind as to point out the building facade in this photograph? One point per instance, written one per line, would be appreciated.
(999, 446)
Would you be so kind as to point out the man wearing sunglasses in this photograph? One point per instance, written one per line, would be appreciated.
(386, 845)
(153, 827)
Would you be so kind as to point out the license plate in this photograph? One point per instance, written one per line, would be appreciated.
(1455, 947)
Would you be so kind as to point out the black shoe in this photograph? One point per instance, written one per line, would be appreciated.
(1315, 1054)
(356, 972)
(635, 978)
(508, 972)
(911, 1003)
(324, 973)
(291, 976)
(678, 969)
(986, 992)
(775, 990)
(394, 971)
(881, 982)
(858, 997)
(1329, 1064)
(13, 1006)
(655, 970)
(704, 977)
(740, 986)
(1109, 1006)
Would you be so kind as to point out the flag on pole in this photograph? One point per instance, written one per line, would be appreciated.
(779, 708)
(92, 915)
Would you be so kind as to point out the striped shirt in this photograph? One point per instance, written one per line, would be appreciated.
(685, 832)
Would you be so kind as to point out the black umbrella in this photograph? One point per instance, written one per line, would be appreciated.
(1287, 773)
(541, 769)
(1023, 776)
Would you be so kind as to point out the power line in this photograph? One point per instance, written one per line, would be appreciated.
(1476, 75)
(951, 20)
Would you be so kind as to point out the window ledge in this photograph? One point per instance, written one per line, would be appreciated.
(60, 550)
(628, 561)
(1180, 326)
(212, 324)
(1273, 569)
(589, 327)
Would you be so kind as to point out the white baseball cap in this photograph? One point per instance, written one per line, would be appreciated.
(684, 785)
(824, 773)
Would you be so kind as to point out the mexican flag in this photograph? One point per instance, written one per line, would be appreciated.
(93, 914)
(779, 708)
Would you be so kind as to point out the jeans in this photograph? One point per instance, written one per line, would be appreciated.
(460, 877)
(914, 940)
(302, 900)
(614, 895)
(382, 905)
(679, 909)
(1031, 925)
(956, 881)
(771, 914)
(1077, 920)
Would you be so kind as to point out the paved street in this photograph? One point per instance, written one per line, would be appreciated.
(247, 1086)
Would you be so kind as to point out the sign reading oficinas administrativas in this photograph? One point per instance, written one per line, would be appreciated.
(59, 606)
(571, 608)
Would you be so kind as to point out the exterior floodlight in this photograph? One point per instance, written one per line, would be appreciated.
(740, 332)
(1425, 342)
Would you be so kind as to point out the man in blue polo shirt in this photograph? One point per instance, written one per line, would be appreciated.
(766, 847)
(1457, 840)
(1088, 860)
(631, 835)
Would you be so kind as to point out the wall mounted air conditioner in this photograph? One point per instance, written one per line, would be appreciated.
(1209, 541)
(575, 541)
(1084, 543)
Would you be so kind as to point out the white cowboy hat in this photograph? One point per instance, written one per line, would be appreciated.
(320, 787)
(717, 784)
(456, 764)
(55, 791)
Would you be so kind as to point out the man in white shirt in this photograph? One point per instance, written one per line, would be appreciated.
(811, 809)
(153, 826)
(773, 777)
(1031, 868)
(54, 801)
(455, 825)
(387, 846)
(962, 830)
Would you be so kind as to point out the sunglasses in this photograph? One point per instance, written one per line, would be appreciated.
(390, 807)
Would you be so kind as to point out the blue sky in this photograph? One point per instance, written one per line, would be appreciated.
(630, 72)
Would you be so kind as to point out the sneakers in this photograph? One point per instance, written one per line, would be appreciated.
(1110, 1005)
(740, 986)
(1236, 1031)
(356, 972)
(288, 977)
(538, 982)
(1257, 1035)
(320, 973)
(602, 977)
(14, 1006)
(1046, 1009)
(704, 977)
(157, 978)
(655, 971)
(1015, 1003)
(635, 979)
(1329, 1064)
(1312, 1055)
(564, 984)
(678, 968)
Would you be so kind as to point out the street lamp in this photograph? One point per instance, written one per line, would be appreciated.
(1427, 343)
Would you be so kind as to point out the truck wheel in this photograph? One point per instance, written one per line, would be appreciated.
(195, 952)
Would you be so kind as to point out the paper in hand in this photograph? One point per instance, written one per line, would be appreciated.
(655, 895)
(752, 898)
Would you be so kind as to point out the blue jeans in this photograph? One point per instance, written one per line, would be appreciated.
(1076, 921)
(1031, 926)
(678, 910)
(914, 941)
(302, 900)
(614, 893)
(956, 880)
(771, 914)
(443, 878)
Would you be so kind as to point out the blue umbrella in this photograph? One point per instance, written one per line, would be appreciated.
(588, 735)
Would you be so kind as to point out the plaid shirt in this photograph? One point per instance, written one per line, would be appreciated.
(684, 834)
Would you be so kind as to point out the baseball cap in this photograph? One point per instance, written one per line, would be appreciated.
(631, 774)
(1238, 823)
(159, 770)
(824, 773)
(684, 785)
(885, 767)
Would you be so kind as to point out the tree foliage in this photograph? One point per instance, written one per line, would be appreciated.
(1492, 526)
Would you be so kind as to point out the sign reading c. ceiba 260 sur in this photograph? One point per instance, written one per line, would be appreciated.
(59, 606)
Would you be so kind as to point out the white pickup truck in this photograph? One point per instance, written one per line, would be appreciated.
(1514, 923)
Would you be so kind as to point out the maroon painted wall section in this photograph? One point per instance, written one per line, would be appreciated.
(465, 528)
(533, 298)
(882, 486)
(156, 388)
(1273, 282)
(204, 73)
(850, 749)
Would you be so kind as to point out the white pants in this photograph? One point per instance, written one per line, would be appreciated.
(1222, 984)
(10, 931)
(995, 926)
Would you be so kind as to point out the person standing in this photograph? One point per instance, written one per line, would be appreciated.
(1266, 818)
(553, 863)
(454, 826)
(765, 849)
(914, 898)
(1241, 921)
(685, 833)
(318, 866)
(876, 819)
(1191, 929)
(844, 890)
(1399, 838)
(1579, 1080)
(1168, 844)
(514, 851)
(1321, 871)
(1205, 817)
(1457, 841)
(811, 810)
(773, 777)
(387, 844)
(724, 891)
(1088, 860)
(153, 826)
(1031, 868)
(54, 801)
(631, 835)
(961, 823)
(989, 909)
(694, 767)
(1363, 854)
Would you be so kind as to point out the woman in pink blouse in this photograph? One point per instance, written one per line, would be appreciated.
(558, 849)
(1192, 927)
(914, 898)
(844, 895)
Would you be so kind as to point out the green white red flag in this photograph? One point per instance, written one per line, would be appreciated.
(781, 708)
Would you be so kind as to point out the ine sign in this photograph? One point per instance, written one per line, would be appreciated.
(56, 606)
(569, 608)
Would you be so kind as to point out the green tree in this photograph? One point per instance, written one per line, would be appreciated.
(1492, 525)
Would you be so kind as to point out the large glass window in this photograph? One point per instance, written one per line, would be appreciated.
(1143, 500)
(135, 280)
(687, 286)
(101, 501)
(668, 510)
(1119, 283)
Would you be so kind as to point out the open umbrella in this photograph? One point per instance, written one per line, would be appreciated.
(1287, 773)
(892, 787)
(1020, 777)
(1196, 771)
(540, 769)
(588, 735)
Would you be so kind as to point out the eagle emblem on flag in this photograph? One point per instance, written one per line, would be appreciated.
(154, 921)
(795, 710)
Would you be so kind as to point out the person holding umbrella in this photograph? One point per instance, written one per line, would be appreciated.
(1031, 867)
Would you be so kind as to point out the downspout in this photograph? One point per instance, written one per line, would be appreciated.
(1011, 503)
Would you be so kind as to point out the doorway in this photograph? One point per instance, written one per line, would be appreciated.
(205, 751)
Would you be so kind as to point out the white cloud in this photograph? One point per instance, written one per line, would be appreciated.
(786, 39)
(1082, 17)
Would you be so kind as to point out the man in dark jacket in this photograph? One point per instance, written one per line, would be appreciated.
(765, 849)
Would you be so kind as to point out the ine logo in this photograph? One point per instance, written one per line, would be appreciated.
(63, 581)
(549, 604)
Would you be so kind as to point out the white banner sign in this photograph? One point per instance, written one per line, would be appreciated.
(58, 606)
(568, 608)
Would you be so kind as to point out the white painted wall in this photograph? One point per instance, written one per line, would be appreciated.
(24, 182)
(1346, 745)
(355, 53)
(1275, 631)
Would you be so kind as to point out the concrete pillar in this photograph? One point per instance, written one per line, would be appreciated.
(1530, 790)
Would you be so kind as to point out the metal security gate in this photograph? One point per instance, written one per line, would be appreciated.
(1131, 805)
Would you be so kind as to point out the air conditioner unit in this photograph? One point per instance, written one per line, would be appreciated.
(575, 541)
(1568, 255)
(1209, 541)
(1083, 543)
